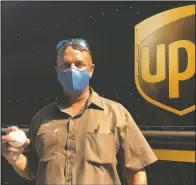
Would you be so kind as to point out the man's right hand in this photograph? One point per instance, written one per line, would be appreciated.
(9, 152)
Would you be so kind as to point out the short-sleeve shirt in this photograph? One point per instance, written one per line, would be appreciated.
(86, 148)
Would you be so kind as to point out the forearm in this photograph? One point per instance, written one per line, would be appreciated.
(21, 167)
(139, 178)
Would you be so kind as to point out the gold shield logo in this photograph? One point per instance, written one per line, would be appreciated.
(165, 59)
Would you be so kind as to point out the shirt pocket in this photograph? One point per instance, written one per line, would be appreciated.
(99, 148)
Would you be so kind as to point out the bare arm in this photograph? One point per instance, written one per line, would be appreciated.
(14, 155)
(136, 152)
(21, 167)
(138, 178)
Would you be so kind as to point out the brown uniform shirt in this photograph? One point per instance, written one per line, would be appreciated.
(86, 148)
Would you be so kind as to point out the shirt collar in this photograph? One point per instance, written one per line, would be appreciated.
(94, 99)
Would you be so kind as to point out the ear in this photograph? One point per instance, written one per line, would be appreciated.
(56, 69)
(92, 70)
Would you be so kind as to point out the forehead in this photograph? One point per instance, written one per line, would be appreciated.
(72, 54)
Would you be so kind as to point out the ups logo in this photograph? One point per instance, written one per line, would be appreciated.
(165, 59)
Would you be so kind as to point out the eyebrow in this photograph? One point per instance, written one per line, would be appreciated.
(81, 61)
(61, 62)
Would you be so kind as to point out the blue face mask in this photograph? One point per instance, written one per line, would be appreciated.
(74, 80)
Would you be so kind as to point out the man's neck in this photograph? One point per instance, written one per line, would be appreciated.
(71, 100)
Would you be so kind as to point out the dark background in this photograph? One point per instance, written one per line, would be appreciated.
(29, 34)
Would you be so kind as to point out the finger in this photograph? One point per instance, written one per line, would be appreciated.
(6, 138)
(27, 142)
(13, 149)
(10, 129)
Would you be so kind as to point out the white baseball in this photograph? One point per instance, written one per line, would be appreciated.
(19, 138)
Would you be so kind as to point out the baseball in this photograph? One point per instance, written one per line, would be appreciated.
(19, 136)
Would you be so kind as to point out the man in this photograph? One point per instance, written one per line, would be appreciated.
(80, 138)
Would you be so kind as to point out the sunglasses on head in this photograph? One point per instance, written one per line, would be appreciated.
(79, 44)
